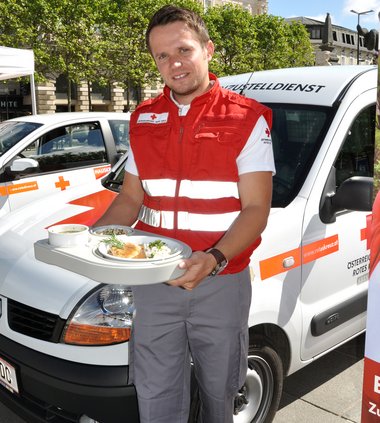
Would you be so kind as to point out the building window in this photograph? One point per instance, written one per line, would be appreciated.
(61, 88)
(335, 38)
(100, 92)
(316, 33)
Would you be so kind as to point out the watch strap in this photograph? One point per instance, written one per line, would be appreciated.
(221, 261)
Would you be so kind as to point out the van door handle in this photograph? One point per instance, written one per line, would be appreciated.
(288, 262)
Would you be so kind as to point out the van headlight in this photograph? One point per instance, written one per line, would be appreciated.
(103, 318)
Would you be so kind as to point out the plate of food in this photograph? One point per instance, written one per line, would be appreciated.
(143, 248)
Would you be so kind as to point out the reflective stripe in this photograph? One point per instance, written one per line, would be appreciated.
(204, 190)
(206, 222)
(159, 187)
(188, 221)
(208, 190)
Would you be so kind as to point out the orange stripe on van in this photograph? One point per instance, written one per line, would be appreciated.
(275, 265)
(18, 188)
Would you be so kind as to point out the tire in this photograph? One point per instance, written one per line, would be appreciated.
(258, 400)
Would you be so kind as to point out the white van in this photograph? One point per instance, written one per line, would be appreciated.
(311, 270)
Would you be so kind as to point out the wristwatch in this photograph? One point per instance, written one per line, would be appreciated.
(221, 261)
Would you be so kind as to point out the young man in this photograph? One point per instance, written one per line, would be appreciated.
(199, 170)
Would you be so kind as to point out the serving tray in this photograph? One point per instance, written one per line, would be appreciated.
(87, 261)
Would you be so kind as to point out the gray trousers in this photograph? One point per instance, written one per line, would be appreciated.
(172, 326)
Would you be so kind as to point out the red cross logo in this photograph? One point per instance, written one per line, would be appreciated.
(267, 132)
(153, 117)
(365, 233)
(62, 183)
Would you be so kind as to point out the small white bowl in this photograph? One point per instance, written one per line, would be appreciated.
(68, 235)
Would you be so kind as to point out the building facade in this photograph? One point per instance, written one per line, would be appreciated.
(336, 45)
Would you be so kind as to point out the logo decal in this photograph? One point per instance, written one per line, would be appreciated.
(153, 118)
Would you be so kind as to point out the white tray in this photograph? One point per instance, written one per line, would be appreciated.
(87, 261)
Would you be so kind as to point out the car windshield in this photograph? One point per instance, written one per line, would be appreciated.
(11, 132)
(297, 134)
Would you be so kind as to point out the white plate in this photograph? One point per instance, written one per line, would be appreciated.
(175, 247)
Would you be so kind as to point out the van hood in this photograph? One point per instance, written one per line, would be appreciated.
(22, 276)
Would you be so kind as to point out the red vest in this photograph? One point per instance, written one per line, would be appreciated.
(188, 168)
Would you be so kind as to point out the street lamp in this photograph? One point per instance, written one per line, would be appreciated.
(359, 13)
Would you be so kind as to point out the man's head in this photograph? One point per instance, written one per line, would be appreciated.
(170, 14)
(179, 43)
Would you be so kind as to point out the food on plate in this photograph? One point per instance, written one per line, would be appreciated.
(111, 230)
(156, 249)
(128, 250)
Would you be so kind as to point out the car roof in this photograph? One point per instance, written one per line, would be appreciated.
(53, 118)
(317, 85)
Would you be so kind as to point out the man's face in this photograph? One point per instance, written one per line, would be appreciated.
(181, 60)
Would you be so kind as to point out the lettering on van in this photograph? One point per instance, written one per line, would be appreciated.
(359, 268)
(276, 86)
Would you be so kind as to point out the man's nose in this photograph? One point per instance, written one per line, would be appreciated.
(175, 62)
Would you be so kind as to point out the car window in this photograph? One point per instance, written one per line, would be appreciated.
(68, 147)
(356, 157)
(297, 134)
(12, 132)
(120, 132)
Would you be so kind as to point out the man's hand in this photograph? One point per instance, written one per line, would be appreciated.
(197, 267)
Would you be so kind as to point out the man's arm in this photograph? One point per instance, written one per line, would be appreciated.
(255, 190)
(126, 206)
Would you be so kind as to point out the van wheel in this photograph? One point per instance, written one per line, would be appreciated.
(258, 399)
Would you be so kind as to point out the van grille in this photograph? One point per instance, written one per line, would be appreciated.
(34, 322)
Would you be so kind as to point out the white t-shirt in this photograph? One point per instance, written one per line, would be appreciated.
(256, 156)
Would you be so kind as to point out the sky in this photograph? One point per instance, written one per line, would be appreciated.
(339, 11)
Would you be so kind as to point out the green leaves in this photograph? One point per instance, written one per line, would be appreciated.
(104, 40)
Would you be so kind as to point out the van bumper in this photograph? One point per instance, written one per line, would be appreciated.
(56, 390)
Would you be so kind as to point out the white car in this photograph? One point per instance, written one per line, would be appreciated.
(48, 153)
(64, 337)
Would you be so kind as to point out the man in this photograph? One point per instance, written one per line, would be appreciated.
(199, 170)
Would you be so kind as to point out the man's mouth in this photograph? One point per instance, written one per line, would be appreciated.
(178, 77)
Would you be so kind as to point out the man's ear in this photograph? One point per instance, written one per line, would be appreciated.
(210, 48)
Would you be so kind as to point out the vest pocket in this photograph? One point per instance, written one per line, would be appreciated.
(215, 153)
(150, 145)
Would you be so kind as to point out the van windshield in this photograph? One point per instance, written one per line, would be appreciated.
(11, 132)
(297, 134)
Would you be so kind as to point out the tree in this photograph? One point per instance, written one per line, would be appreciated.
(232, 30)
(282, 44)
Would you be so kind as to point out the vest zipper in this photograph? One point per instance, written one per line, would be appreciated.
(179, 177)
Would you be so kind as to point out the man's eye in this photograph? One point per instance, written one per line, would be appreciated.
(184, 50)
(162, 57)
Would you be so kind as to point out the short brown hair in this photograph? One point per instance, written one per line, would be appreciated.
(170, 13)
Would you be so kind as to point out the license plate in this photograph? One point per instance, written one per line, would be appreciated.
(8, 376)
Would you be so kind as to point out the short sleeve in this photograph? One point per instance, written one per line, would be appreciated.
(130, 165)
(257, 154)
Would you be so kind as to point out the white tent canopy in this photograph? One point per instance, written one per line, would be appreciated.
(16, 62)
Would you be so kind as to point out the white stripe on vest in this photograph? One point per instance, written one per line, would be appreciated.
(202, 190)
(188, 221)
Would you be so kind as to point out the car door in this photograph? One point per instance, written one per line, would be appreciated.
(61, 158)
(335, 255)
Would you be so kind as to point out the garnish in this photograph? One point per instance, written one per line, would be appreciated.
(113, 241)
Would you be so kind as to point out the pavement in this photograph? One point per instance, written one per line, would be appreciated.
(328, 390)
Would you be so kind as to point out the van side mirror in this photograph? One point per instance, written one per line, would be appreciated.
(355, 194)
(22, 166)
